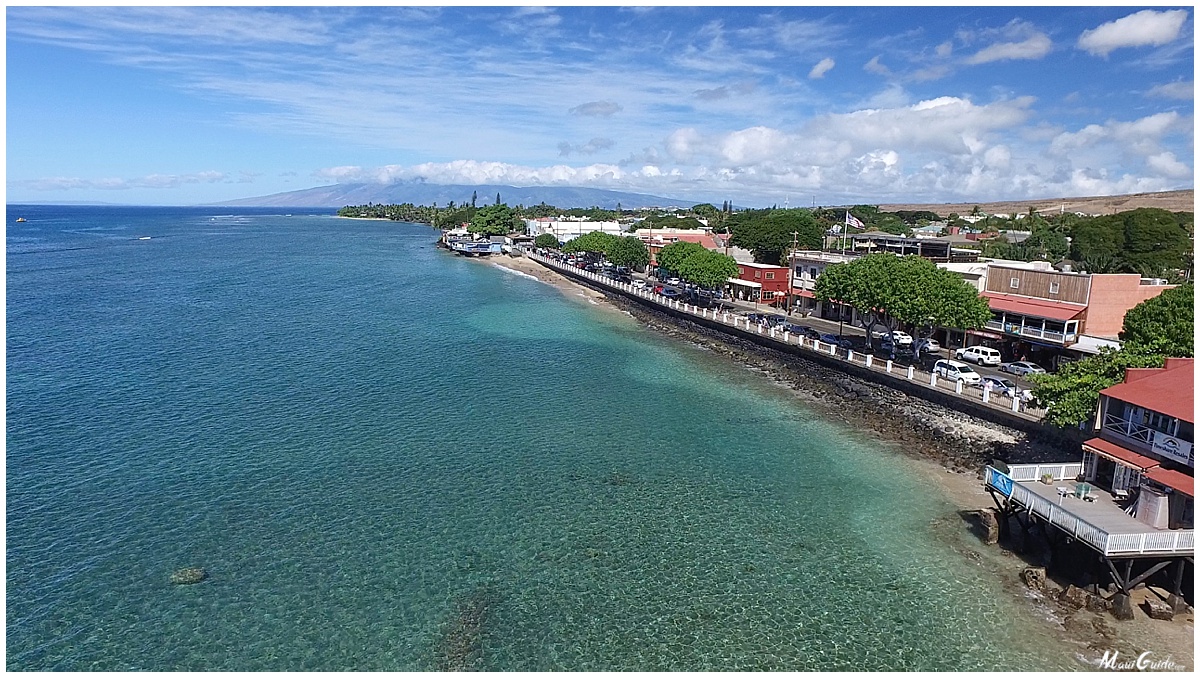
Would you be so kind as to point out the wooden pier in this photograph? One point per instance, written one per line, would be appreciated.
(1131, 550)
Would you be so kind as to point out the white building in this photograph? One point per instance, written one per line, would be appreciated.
(566, 228)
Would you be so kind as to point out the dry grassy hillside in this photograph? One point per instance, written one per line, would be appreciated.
(1174, 201)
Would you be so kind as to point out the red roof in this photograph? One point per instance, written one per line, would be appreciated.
(1173, 479)
(1167, 390)
(1038, 308)
(1120, 454)
(806, 294)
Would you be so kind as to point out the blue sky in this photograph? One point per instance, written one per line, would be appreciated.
(187, 105)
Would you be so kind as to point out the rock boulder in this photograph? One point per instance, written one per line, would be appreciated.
(189, 575)
(1158, 609)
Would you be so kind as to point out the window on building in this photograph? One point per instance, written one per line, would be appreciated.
(758, 274)
(1054, 288)
(1014, 283)
(1187, 431)
(1157, 421)
(1072, 327)
(770, 275)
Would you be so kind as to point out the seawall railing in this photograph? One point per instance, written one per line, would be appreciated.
(914, 379)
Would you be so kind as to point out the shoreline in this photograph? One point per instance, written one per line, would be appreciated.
(947, 448)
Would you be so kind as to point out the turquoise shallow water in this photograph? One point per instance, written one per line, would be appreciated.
(391, 458)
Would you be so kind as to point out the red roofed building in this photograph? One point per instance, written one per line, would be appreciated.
(1145, 440)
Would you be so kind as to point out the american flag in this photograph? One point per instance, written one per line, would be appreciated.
(852, 221)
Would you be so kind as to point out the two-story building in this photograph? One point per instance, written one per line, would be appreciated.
(1145, 440)
(1048, 315)
(764, 283)
(807, 266)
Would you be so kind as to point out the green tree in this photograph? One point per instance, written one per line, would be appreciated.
(672, 256)
(596, 241)
(1044, 243)
(888, 290)
(1155, 243)
(627, 251)
(546, 240)
(769, 234)
(1164, 325)
(710, 270)
(1070, 395)
(1096, 244)
(494, 220)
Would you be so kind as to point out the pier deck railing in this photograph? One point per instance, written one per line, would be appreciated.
(1118, 544)
(897, 371)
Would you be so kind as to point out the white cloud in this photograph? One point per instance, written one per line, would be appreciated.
(1165, 164)
(876, 66)
(118, 184)
(593, 146)
(823, 66)
(597, 109)
(1033, 47)
(1183, 90)
(1147, 27)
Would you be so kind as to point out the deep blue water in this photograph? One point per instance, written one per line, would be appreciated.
(388, 457)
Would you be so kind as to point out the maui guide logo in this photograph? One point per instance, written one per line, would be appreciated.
(1112, 661)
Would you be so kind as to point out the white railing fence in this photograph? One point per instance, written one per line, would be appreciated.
(1149, 542)
(994, 400)
(1060, 471)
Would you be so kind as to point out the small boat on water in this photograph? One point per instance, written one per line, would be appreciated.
(20, 220)
(144, 237)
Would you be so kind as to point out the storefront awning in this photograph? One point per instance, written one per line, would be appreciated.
(1037, 308)
(745, 283)
(803, 293)
(1175, 480)
(1119, 454)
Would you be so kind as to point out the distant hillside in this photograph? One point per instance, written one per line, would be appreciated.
(416, 193)
(1173, 201)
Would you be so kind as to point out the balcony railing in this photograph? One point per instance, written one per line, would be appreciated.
(1044, 335)
(1130, 429)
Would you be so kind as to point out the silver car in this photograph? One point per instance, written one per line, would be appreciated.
(1002, 385)
(1022, 368)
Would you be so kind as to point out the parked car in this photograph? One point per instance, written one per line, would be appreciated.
(802, 330)
(927, 345)
(956, 371)
(1002, 385)
(671, 293)
(980, 355)
(1022, 368)
(886, 344)
(674, 281)
(775, 320)
(836, 340)
(639, 283)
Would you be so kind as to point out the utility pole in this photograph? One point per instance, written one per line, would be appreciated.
(791, 272)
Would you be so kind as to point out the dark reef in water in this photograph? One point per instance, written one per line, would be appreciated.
(460, 647)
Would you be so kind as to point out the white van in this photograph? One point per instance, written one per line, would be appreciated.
(956, 371)
(980, 355)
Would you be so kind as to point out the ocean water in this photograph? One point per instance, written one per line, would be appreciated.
(391, 458)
